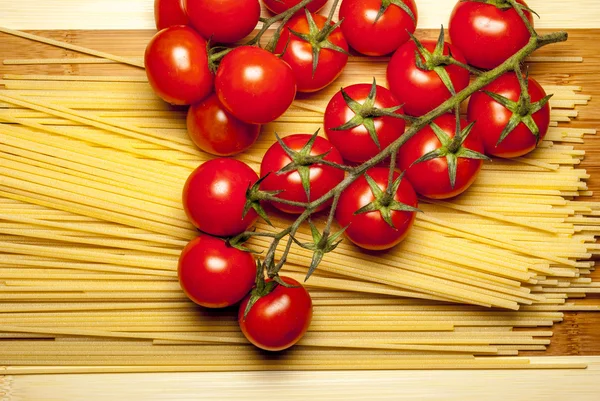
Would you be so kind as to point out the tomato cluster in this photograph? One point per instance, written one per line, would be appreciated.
(352, 172)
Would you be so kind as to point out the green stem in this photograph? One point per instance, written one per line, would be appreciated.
(284, 17)
(535, 42)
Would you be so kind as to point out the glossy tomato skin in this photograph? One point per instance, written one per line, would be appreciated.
(279, 6)
(491, 117)
(422, 91)
(485, 34)
(168, 13)
(223, 21)
(355, 144)
(214, 130)
(298, 54)
(214, 274)
(279, 319)
(255, 85)
(376, 38)
(369, 230)
(214, 196)
(177, 65)
(322, 178)
(430, 178)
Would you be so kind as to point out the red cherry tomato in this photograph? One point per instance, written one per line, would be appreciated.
(214, 274)
(491, 117)
(223, 21)
(177, 65)
(485, 34)
(279, 6)
(214, 196)
(322, 178)
(376, 38)
(255, 85)
(214, 130)
(369, 230)
(430, 178)
(279, 319)
(355, 144)
(299, 54)
(419, 90)
(168, 13)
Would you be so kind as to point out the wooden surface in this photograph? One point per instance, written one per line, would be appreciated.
(138, 14)
(577, 335)
(519, 385)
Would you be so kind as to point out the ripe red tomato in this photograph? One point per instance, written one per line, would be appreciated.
(214, 274)
(223, 21)
(485, 34)
(214, 130)
(322, 178)
(299, 53)
(491, 117)
(419, 90)
(279, 319)
(255, 85)
(214, 196)
(168, 13)
(176, 63)
(430, 178)
(356, 144)
(369, 230)
(376, 37)
(279, 6)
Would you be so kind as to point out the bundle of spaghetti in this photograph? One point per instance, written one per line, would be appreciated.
(91, 226)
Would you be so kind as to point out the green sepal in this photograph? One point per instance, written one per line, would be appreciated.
(261, 289)
(238, 241)
(386, 3)
(321, 244)
(253, 198)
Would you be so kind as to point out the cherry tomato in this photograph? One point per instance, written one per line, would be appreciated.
(355, 144)
(214, 196)
(177, 65)
(430, 178)
(485, 34)
(255, 85)
(168, 13)
(376, 37)
(299, 53)
(369, 230)
(223, 21)
(279, 6)
(419, 90)
(214, 274)
(279, 319)
(322, 178)
(214, 130)
(491, 117)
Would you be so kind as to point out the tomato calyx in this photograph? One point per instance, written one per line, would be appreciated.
(437, 60)
(452, 148)
(384, 200)
(254, 195)
(215, 54)
(365, 113)
(322, 243)
(522, 110)
(261, 289)
(302, 160)
(505, 5)
(318, 38)
(386, 3)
